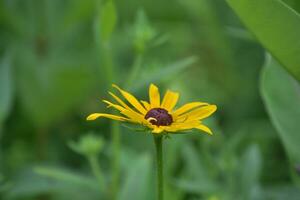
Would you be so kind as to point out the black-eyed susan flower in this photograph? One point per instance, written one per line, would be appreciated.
(159, 116)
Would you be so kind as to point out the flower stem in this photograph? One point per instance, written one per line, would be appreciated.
(158, 140)
(96, 171)
(137, 64)
(115, 129)
(107, 66)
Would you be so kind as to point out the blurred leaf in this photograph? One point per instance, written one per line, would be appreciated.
(217, 50)
(143, 32)
(63, 175)
(281, 192)
(171, 161)
(137, 184)
(77, 11)
(250, 172)
(198, 179)
(51, 88)
(281, 95)
(205, 13)
(107, 19)
(29, 184)
(163, 72)
(6, 87)
(276, 26)
(173, 145)
(240, 33)
(196, 186)
(193, 163)
(4, 185)
(88, 145)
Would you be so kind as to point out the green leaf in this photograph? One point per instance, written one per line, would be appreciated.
(138, 181)
(143, 32)
(276, 26)
(107, 19)
(6, 87)
(212, 32)
(67, 176)
(251, 165)
(198, 179)
(50, 88)
(52, 180)
(196, 186)
(281, 95)
(77, 11)
(4, 185)
(88, 145)
(289, 192)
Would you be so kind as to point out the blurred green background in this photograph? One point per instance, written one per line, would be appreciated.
(58, 59)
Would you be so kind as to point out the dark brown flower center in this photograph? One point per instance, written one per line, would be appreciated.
(159, 117)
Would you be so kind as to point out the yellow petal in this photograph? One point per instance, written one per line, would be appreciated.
(118, 107)
(114, 117)
(154, 96)
(132, 100)
(170, 100)
(146, 105)
(199, 113)
(134, 116)
(176, 127)
(122, 103)
(188, 107)
(204, 128)
(119, 100)
(182, 126)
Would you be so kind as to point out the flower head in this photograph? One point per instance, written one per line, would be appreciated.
(159, 116)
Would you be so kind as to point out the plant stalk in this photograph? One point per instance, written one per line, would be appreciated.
(97, 171)
(158, 140)
(107, 65)
(137, 64)
(115, 129)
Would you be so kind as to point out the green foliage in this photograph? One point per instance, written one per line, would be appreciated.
(66, 176)
(198, 179)
(143, 32)
(242, 175)
(43, 88)
(276, 26)
(57, 181)
(281, 95)
(6, 87)
(107, 19)
(88, 145)
(163, 72)
(58, 57)
(138, 180)
(250, 173)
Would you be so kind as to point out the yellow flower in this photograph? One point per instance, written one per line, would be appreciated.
(159, 116)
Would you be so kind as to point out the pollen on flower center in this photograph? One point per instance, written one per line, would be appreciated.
(159, 117)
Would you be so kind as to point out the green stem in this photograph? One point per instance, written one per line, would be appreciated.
(115, 129)
(97, 171)
(108, 62)
(158, 140)
(107, 65)
(1, 129)
(137, 64)
(42, 143)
